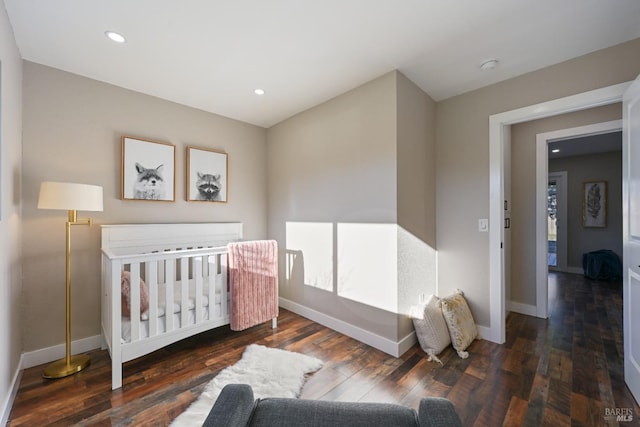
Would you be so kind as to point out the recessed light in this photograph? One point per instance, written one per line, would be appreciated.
(116, 37)
(555, 150)
(489, 64)
(259, 91)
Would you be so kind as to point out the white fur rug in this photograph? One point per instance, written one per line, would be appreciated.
(271, 372)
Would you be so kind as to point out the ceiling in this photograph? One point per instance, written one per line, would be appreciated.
(212, 54)
(580, 146)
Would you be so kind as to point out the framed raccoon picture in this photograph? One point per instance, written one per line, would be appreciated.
(148, 170)
(207, 175)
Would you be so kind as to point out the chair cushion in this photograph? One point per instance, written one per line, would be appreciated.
(279, 412)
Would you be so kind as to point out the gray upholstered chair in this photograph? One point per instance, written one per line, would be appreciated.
(237, 407)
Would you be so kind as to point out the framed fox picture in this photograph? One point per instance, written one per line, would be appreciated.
(148, 170)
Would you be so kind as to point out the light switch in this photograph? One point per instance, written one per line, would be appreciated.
(483, 225)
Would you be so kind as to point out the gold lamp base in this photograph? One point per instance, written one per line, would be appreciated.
(60, 368)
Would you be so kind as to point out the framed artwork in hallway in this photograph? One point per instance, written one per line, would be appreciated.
(594, 204)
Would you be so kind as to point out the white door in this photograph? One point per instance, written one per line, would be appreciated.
(631, 236)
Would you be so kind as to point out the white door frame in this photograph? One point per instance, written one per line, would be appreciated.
(542, 163)
(499, 127)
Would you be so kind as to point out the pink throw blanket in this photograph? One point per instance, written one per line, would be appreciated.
(253, 282)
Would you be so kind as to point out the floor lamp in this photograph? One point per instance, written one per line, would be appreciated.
(70, 197)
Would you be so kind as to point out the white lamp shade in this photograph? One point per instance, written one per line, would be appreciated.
(69, 196)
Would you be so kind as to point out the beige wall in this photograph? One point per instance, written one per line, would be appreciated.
(335, 163)
(462, 159)
(580, 169)
(523, 146)
(72, 130)
(416, 196)
(349, 162)
(10, 206)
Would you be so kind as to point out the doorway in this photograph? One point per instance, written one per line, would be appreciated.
(499, 137)
(542, 178)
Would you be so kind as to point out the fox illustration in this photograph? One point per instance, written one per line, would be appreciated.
(149, 184)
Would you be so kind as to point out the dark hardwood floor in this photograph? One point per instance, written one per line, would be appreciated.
(567, 370)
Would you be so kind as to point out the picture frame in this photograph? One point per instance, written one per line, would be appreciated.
(207, 175)
(594, 204)
(148, 170)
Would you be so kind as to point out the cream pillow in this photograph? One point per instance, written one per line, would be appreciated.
(431, 328)
(462, 328)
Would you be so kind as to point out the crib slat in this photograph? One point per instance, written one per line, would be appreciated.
(152, 282)
(197, 278)
(161, 271)
(224, 302)
(170, 275)
(134, 299)
(211, 283)
(184, 287)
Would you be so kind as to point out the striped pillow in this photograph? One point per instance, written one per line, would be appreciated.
(431, 328)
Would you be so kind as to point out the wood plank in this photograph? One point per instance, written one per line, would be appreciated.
(515, 413)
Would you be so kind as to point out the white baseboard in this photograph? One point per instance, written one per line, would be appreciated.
(406, 343)
(395, 349)
(574, 270)
(13, 391)
(518, 307)
(485, 333)
(39, 357)
(49, 354)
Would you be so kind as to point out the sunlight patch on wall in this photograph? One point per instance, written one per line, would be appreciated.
(417, 267)
(314, 241)
(367, 264)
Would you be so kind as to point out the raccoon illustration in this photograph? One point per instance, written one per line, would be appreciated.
(208, 186)
(149, 184)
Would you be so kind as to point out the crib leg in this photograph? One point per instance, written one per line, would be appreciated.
(274, 323)
(116, 375)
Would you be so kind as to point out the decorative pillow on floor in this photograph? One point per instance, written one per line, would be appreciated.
(462, 328)
(431, 328)
(125, 282)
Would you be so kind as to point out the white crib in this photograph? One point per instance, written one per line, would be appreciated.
(165, 257)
